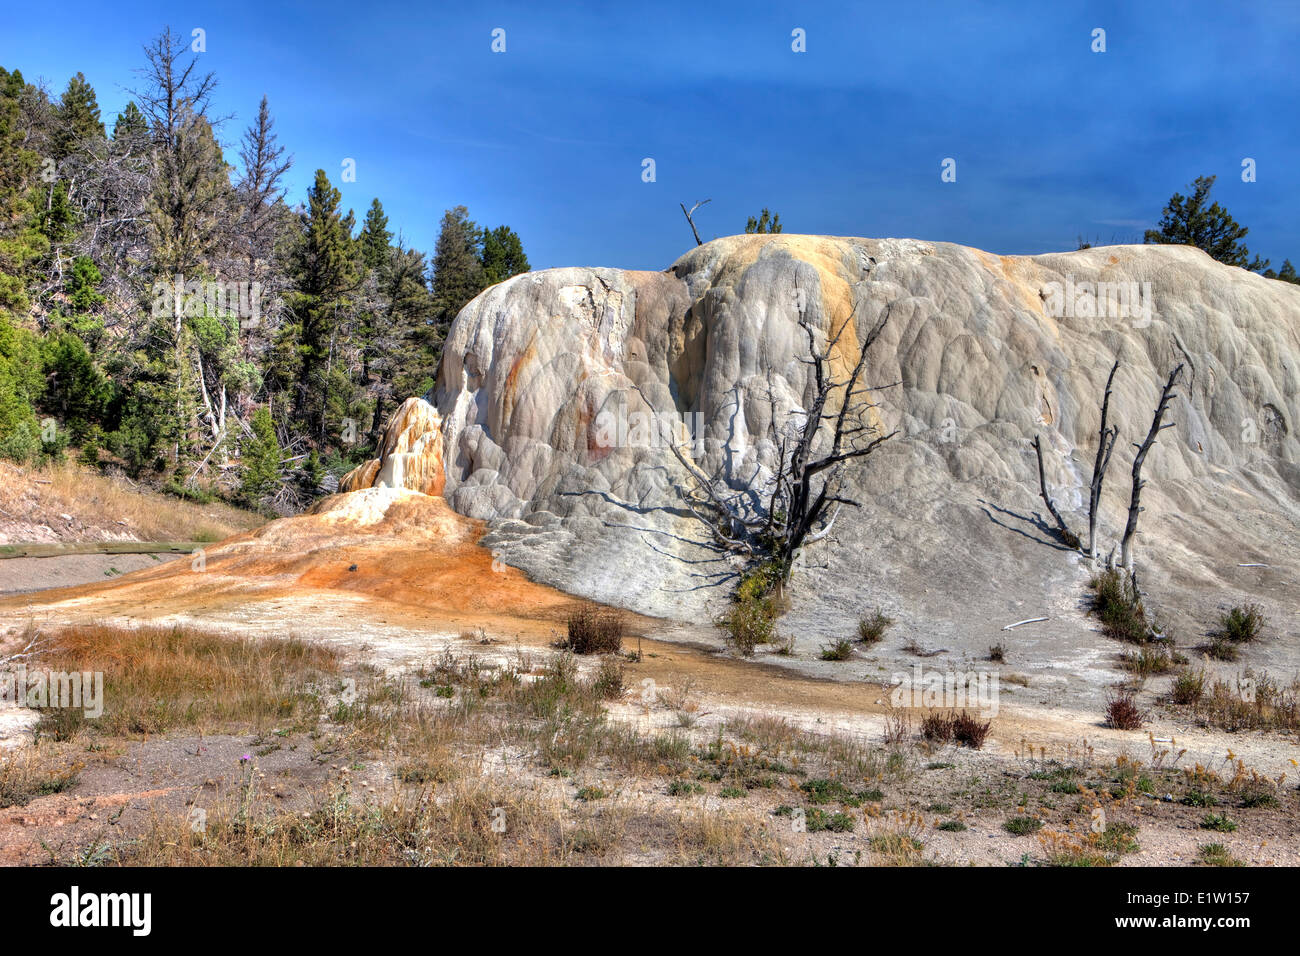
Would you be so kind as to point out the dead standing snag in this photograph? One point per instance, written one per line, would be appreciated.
(1104, 449)
(1134, 509)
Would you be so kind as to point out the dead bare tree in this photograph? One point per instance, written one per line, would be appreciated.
(37, 643)
(801, 501)
(1069, 537)
(172, 88)
(691, 221)
(1134, 509)
(1105, 447)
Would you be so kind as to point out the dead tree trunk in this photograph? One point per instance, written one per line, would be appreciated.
(803, 498)
(1134, 509)
(691, 221)
(1104, 449)
(1069, 537)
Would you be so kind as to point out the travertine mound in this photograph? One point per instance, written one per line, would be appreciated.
(410, 453)
(544, 376)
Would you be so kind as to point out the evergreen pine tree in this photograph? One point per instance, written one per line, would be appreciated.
(503, 255)
(457, 268)
(375, 237)
(1189, 221)
(260, 455)
(78, 118)
(131, 126)
(325, 275)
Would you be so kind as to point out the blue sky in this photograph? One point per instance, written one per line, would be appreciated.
(1051, 140)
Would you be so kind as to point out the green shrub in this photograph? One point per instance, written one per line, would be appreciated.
(872, 628)
(819, 820)
(1119, 607)
(750, 619)
(260, 456)
(1216, 854)
(1022, 826)
(1188, 687)
(840, 650)
(1223, 650)
(1218, 822)
(1241, 625)
(609, 681)
(1199, 798)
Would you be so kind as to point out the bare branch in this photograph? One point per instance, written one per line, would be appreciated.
(691, 221)
(1068, 536)
(1134, 509)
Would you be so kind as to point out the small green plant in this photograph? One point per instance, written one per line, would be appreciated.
(1216, 854)
(818, 820)
(952, 826)
(1022, 826)
(591, 793)
(684, 788)
(1242, 625)
(825, 791)
(896, 844)
(840, 650)
(1199, 798)
(750, 619)
(1218, 822)
(872, 628)
(1119, 838)
(732, 793)
(609, 681)
(1188, 687)
(1259, 796)
(1222, 650)
(1119, 607)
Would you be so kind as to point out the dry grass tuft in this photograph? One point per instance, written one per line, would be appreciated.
(160, 678)
(596, 630)
(33, 772)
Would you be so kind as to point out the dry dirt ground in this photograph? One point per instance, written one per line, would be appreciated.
(393, 580)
